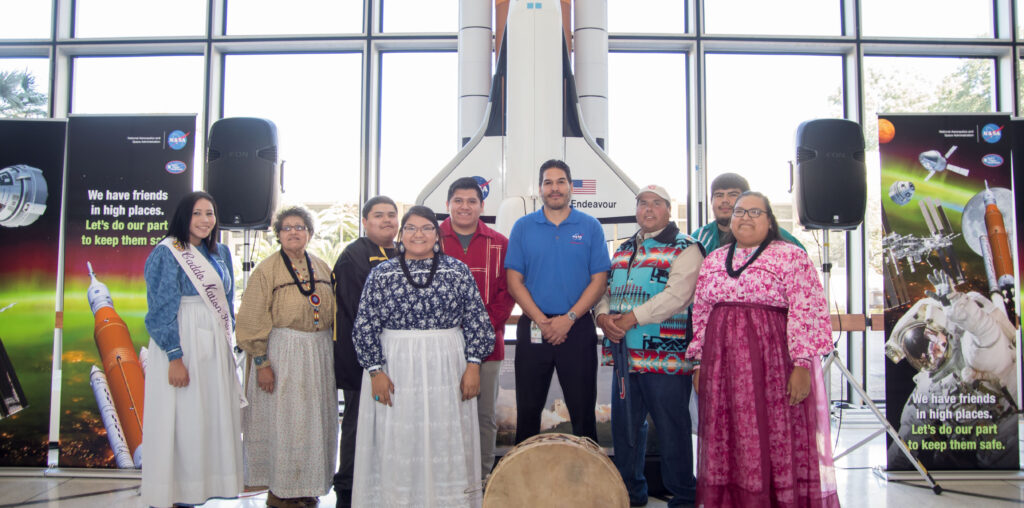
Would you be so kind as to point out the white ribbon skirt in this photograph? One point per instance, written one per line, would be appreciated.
(425, 449)
(191, 436)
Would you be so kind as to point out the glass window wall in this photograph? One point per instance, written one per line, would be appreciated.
(418, 120)
(273, 17)
(647, 120)
(24, 87)
(387, 111)
(789, 17)
(25, 20)
(135, 18)
(648, 17)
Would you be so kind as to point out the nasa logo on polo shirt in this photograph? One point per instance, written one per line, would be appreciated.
(577, 238)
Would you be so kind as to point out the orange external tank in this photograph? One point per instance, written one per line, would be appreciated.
(1002, 258)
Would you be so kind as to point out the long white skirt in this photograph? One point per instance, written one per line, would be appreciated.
(425, 449)
(291, 435)
(192, 448)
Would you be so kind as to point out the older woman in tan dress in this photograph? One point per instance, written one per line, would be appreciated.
(284, 324)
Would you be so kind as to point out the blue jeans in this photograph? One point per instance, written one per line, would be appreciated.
(666, 397)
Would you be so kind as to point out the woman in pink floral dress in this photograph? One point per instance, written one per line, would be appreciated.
(761, 326)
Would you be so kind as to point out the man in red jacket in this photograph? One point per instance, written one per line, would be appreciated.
(466, 238)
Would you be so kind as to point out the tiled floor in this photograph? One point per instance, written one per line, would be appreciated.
(859, 484)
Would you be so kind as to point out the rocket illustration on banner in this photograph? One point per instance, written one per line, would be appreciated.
(1002, 259)
(108, 414)
(990, 236)
(121, 365)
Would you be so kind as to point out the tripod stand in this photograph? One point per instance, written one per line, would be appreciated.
(833, 359)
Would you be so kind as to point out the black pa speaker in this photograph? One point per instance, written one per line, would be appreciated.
(242, 172)
(830, 185)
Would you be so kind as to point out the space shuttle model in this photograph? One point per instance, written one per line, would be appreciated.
(533, 111)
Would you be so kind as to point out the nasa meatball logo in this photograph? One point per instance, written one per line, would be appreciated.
(175, 167)
(177, 140)
(992, 160)
(485, 185)
(991, 133)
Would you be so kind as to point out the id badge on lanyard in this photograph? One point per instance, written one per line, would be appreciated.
(535, 336)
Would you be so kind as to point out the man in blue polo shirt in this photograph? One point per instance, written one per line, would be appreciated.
(556, 268)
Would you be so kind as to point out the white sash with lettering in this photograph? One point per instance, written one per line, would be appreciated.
(206, 280)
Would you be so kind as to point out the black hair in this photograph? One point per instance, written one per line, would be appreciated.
(773, 229)
(420, 211)
(426, 213)
(374, 201)
(466, 182)
(181, 221)
(729, 181)
(294, 211)
(554, 163)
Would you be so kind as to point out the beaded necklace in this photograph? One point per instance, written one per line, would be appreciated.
(408, 276)
(732, 250)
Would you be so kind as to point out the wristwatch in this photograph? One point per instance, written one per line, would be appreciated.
(259, 361)
(572, 316)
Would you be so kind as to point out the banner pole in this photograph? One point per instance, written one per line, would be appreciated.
(53, 447)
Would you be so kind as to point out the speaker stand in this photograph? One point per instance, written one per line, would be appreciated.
(833, 359)
(247, 252)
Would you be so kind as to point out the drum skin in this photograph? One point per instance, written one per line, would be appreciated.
(555, 470)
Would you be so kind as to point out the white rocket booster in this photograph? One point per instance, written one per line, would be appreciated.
(144, 358)
(474, 65)
(533, 115)
(108, 413)
(590, 64)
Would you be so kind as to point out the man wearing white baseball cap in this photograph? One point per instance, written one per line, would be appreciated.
(645, 319)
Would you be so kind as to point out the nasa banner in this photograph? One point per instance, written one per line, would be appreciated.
(31, 182)
(125, 176)
(951, 323)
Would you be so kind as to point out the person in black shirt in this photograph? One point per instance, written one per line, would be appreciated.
(380, 222)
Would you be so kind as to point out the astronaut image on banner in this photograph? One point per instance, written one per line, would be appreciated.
(962, 412)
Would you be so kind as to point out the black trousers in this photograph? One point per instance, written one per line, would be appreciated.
(347, 449)
(575, 360)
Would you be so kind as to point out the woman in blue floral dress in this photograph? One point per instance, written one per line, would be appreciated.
(420, 333)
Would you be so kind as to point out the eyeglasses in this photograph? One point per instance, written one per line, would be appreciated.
(753, 212)
(411, 230)
(294, 228)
